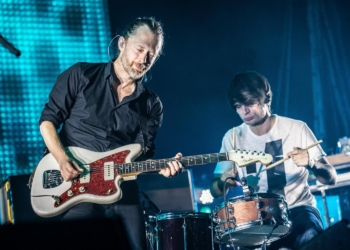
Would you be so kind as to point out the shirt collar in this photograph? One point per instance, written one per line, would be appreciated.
(107, 72)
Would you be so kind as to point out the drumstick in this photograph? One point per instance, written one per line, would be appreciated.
(286, 158)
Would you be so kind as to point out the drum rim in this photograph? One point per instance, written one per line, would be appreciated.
(239, 198)
(176, 215)
(273, 238)
(246, 225)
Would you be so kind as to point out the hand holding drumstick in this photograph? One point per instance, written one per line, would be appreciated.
(300, 156)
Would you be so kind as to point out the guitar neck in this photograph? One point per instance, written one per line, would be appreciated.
(154, 165)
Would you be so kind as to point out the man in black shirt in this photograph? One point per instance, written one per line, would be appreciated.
(103, 106)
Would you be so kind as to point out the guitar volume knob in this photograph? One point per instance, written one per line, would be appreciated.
(82, 189)
(70, 193)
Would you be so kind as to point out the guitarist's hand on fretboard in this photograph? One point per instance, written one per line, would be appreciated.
(174, 167)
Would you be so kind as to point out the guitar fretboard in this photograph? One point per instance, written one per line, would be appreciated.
(153, 165)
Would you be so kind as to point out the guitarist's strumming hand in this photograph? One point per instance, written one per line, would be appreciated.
(174, 167)
(69, 169)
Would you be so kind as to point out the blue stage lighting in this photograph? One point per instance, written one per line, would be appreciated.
(51, 36)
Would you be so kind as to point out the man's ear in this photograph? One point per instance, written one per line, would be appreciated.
(121, 43)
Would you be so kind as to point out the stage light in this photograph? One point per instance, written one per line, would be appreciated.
(206, 197)
(206, 210)
(51, 35)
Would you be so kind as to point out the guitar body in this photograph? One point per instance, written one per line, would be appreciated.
(103, 173)
(99, 183)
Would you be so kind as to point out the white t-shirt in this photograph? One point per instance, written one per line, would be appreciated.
(287, 178)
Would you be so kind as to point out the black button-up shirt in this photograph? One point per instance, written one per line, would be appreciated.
(83, 100)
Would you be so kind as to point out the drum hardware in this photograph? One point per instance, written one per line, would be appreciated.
(259, 204)
(266, 241)
(247, 190)
(261, 216)
(151, 235)
(256, 221)
(281, 206)
(185, 234)
(324, 199)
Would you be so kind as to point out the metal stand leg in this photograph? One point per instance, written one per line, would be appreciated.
(324, 198)
(185, 234)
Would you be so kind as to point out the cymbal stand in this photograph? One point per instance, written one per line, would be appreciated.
(324, 199)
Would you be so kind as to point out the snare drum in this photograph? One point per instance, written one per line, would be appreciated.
(177, 231)
(249, 222)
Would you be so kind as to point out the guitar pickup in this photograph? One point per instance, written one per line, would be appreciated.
(108, 169)
(85, 175)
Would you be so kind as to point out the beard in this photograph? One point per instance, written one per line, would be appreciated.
(134, 74)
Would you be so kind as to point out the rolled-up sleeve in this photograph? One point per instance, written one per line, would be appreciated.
(62, 96)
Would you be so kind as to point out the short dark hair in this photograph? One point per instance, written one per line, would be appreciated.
(150, 22)
(249, 88)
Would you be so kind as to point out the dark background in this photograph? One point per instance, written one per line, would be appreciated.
(208, 42)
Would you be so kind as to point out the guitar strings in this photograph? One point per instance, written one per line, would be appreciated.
(134, 167)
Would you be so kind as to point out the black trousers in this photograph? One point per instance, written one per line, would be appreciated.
(306, 224)
(126, 214)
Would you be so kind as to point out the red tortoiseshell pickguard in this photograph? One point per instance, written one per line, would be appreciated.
(97, 185)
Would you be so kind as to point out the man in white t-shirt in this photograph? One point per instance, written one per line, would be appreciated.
(250, 95)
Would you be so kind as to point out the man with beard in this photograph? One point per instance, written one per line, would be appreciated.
(250, 95)
(103, 106)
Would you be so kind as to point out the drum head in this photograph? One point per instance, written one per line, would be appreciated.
(249, 222)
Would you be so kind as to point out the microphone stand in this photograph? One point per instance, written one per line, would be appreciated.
(9, 46)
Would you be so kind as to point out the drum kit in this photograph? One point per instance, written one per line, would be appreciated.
(249, 221)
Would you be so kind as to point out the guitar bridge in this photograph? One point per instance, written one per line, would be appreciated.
(52, 179)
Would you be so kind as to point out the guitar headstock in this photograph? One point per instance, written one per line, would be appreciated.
(243, 158)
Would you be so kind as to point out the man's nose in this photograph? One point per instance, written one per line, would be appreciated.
(246, 110)
(143, 58)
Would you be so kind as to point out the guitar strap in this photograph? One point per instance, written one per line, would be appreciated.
(245, 188)
(234, 132)
(234, 138)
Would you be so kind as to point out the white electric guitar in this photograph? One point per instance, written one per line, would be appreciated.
(104, 172)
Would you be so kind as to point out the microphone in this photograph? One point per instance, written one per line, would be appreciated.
(9, 46)
(151, 204)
